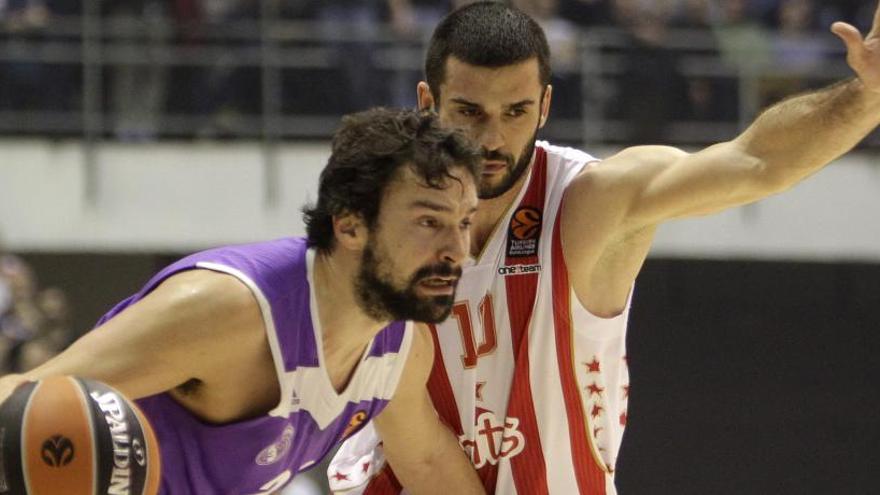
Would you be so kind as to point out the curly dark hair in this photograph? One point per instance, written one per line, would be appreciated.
(368, 149)
(486, 34)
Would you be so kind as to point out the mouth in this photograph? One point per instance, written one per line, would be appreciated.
(493, 167)
(439, 285)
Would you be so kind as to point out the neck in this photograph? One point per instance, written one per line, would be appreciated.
(345, 327)
(490, 212)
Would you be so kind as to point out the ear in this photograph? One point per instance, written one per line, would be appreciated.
(350, 231)
(545, 105)
(426, 99)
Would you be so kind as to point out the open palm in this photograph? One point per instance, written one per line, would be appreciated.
(863, 54)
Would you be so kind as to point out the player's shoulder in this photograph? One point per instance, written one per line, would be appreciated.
(644, 155)
(420, 358)
(565, 154)
(209, 290)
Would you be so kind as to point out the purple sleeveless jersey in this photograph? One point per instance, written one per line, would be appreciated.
(261, 455)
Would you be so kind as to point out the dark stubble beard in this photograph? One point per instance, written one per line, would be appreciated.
(514, 171)
(383, 302)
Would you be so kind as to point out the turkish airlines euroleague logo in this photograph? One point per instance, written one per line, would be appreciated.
(524, 232)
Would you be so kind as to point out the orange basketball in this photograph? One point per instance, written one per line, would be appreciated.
(72, 436)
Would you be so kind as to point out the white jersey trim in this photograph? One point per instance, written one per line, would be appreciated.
(282, 408)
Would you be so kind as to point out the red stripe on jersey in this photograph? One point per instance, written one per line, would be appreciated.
(521, 289)
(444, 403)
(590, 476)
(441, 390)
(528, 467)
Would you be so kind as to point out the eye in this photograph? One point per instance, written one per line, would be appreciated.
(429, 222)
(469, 111)
(516, 112)
(466, 224)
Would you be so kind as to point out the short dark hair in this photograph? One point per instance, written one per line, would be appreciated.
(486, 34)
(367, 151)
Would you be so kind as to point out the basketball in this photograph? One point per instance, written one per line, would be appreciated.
(72, 436)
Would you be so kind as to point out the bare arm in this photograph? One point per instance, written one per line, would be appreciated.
(787, 143)
(185, 329)
(643, 186)
(424, 454)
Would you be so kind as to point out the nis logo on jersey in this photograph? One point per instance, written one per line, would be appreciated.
(493, 440)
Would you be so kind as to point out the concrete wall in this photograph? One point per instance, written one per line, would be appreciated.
(181, 197)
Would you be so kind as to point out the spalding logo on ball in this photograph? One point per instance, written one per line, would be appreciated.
(72, 436)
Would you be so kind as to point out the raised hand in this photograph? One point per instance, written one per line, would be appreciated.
(863, 54)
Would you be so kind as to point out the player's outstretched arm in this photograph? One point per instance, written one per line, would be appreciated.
(185, 328)
(424, 454)
(787, 143)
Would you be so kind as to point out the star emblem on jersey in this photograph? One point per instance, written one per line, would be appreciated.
(275, 452)
(594, 388)
(593, 366)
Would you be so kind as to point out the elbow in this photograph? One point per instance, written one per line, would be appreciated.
(770, 180)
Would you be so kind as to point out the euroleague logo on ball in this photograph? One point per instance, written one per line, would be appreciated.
(57, 451)
(525, 223)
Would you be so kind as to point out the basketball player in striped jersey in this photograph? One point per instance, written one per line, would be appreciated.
(531, 368)
(253, 362)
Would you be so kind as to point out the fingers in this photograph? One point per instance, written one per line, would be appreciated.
(875, 28)
(849, 34)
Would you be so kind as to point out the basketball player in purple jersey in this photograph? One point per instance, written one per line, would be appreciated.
(252, 362)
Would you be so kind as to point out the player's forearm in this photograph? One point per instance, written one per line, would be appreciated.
(796, 137)
(445, 470)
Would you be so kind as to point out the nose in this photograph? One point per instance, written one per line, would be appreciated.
(491, 137)
(456, 246)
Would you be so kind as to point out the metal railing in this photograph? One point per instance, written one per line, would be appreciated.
(290, 79)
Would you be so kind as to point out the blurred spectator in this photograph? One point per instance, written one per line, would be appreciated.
(650, 87)
(744, 42)
(797, 45)
(796, 50)
(34, 324)
(562, 35)
(412, 22)
(138, 87)
(586, 13)
(351, 26)
(54, 333)
(36, 84)
(692, 14)
(21, 320)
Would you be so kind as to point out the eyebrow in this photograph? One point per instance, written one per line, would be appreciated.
(522, 103)
(430, 205)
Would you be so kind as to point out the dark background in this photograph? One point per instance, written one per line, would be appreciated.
(747, 377)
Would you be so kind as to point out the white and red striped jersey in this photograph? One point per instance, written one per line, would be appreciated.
(534, 385)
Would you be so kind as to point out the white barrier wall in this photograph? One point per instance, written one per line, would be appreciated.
(182, 197)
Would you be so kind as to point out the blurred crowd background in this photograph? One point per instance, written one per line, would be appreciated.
(681, 71)
(34, 320)
(685, 72)
(626, 71)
